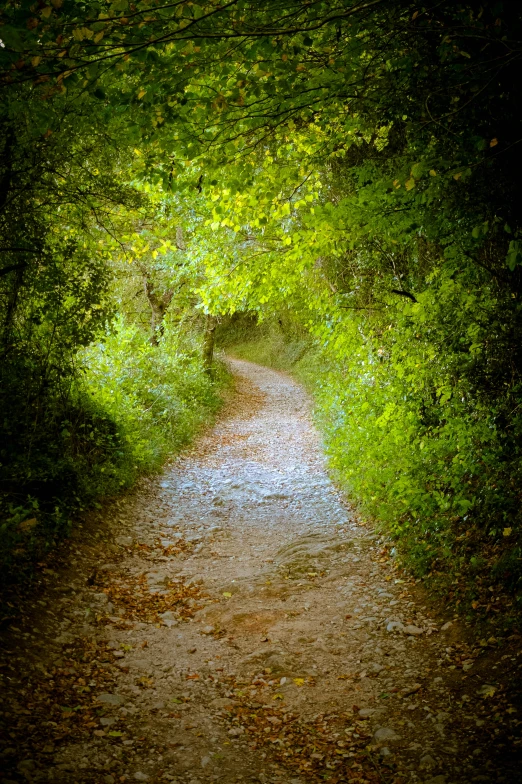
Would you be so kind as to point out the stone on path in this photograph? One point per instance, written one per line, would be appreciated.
(110, 699)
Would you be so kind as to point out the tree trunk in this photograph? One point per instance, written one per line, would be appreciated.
(158, 305)
(208, 343)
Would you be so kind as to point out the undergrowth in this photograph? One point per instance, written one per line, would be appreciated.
(124, 407)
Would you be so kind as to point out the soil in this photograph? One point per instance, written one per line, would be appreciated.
(233, 620)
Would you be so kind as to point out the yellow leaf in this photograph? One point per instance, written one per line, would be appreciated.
(299, 681)
(433, 172)
(493, 142)
(141, 93)
(277, 697)
(227, 594)
(457, 176)
(99, 36)
(78, 34)
(396, 184)
(474, 605)
(35, 61)
(410, 184)
(507, 531)
(47, 11)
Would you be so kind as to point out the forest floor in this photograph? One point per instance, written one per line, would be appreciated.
(233, 621)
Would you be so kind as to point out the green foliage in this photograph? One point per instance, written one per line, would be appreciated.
(416, 437)
(279, 344)
(158, 396)
(132, 404)
(351, 165)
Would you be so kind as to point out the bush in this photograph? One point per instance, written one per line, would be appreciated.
(415, 430)
(158, 396)
(120, 412)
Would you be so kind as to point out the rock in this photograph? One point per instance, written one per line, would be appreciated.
(436, 780)
(394, 626)
(195, 581)
(110, 699)
(101, 598)
(411, 689)
(385, 734)
(446, 626)
(235, 731)
(208, 629)
(171, 541)
(124, 541)
(205, 761)
(27, 764)
(168, 619)
(384, 751)
(157, 577)
(64, 638)
(221, 702)
(413, 630)
(139, 776)
(108, 567)
(108, 722)
(108, 779)
(427, 762)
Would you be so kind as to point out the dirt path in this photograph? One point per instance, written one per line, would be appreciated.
(231, 621)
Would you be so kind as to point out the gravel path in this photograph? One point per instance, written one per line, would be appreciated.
(233, 621)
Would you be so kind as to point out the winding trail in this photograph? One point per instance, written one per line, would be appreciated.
(233, 621)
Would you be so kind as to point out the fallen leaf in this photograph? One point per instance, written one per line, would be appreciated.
(27, 525)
